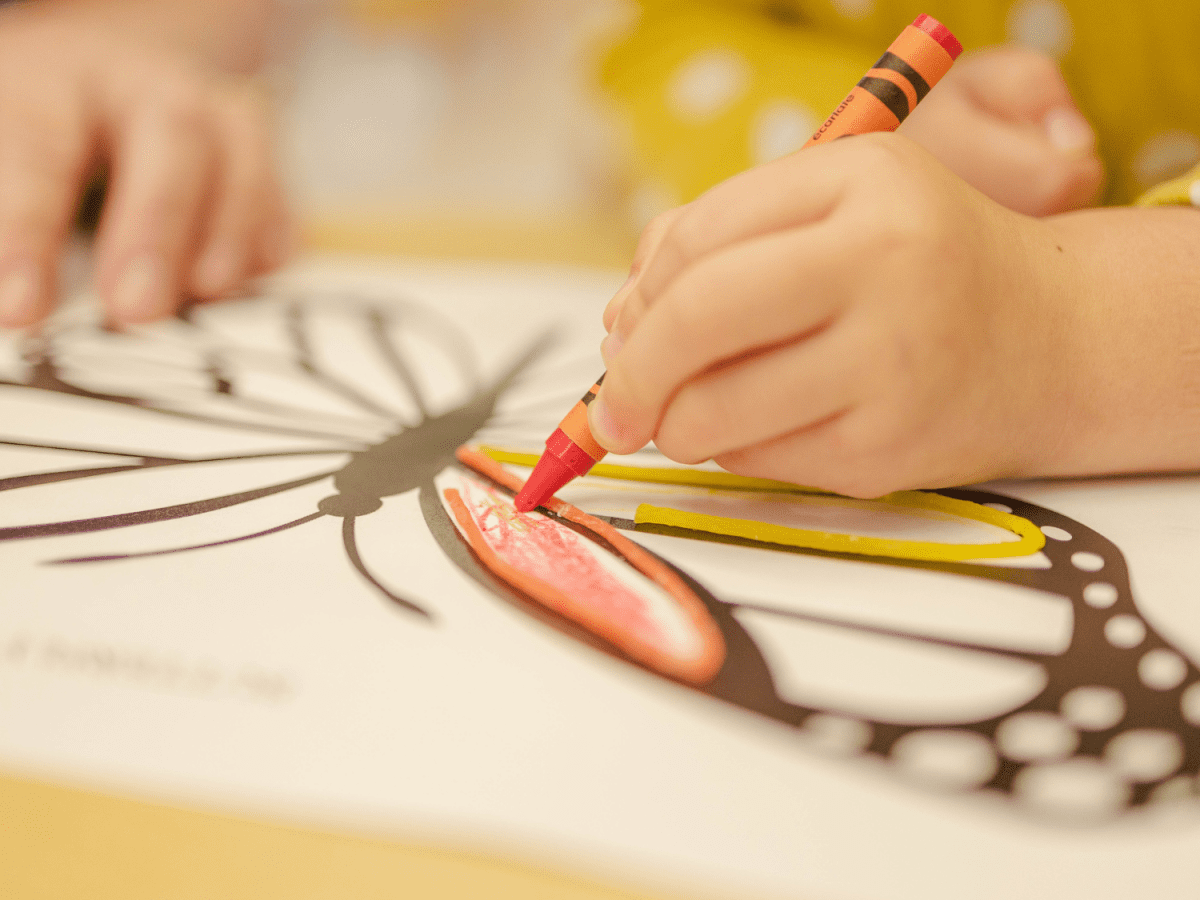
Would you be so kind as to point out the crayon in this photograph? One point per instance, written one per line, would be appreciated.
(571, 451)
(891, 89)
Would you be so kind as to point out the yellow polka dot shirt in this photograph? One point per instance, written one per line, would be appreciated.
(711, 88)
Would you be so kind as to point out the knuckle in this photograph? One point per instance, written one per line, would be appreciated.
(688, 233)
(696, 422)
(651, 234)
(682, 319)
(184, 105)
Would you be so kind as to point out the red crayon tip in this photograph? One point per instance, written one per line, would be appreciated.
(550, 474)
(939, 33)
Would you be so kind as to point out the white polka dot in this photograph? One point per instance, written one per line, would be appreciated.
(999, 507)
(1174, 801)
(781, 128)
(1174, 791)
(1037, 736)
(1146, 754)
(1125, 631)
(854, 9)
(1100, 595)
(1080, 789)
(650, 200)
(950, 759)
(1041, 25)
(1087, 562)
(1166, 155)
(1191, 704)
(707, 84)
(1093, 708)
(1055, 533)
(838, 735)
(1162, 669)
(1194, 193)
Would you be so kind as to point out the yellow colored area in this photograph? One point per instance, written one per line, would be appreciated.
(1029, 537)
(1132, 68)
(662, 475)
(77, 844)
(1176, 192)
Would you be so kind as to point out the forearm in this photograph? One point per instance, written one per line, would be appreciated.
(1130, 396)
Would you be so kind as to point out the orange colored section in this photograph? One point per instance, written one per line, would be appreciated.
(860, 113)
(697, 670)
(575, 426)
(923, 53)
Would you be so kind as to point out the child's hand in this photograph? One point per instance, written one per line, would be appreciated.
(1004, 121)
(193, 205)
(851, 317)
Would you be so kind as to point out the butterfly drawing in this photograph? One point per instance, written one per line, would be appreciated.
(343, 402)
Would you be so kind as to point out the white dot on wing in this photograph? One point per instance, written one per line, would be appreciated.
(1162, 669)
(1125, 632)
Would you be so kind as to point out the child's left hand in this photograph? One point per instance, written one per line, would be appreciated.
(853, 317)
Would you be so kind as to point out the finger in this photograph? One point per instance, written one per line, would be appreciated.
(1035, 180)
(651, 237)
(163, 167)
(43, 158)
(789, 289)
(829, 454)
(752, 401)
(1015, 84)
(789, 192)
(278, 233)
(246, 230)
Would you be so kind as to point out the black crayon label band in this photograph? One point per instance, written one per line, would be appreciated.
(891, 61)
(888, 94)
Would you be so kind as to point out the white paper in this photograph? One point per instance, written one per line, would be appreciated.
(268, 676)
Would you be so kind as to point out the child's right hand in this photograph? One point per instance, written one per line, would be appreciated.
(1004, 121)
(193, 205)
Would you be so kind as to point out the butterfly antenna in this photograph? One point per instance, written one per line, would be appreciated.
(113, 557)
(356, 560)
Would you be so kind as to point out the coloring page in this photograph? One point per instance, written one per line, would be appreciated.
(263, 558)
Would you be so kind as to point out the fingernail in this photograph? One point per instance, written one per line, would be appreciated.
(611, 346)
(218, 269)
(601, 423)
(1068, 131)
(18, 298)
(139, 296)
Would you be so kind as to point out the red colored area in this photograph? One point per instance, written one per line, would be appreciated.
(697, 663)
(543, 550)
(548, 476)
(576, 458)
(939, 33)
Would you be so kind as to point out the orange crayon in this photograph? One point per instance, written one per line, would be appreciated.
(912, 65)
(571, 451)
(893, 87)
